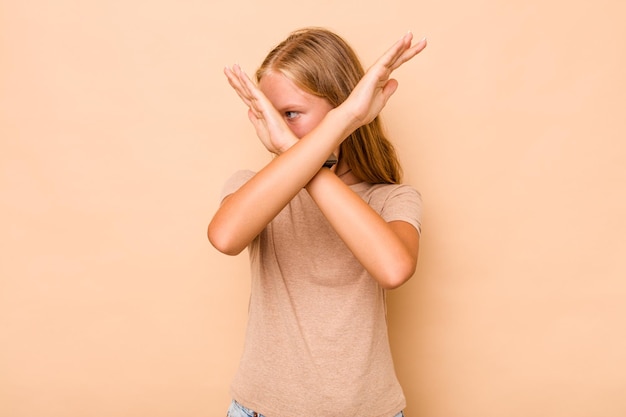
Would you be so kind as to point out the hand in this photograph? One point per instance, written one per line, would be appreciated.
(371, 93)
(269, 125)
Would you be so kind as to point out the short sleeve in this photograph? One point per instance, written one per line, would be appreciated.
(403, 203)
(235, 182)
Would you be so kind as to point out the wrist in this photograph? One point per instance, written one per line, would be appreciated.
(316, 178)
(330, 161)
(288, 143)
(345, 118)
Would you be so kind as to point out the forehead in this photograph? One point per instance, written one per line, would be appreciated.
(279, 90)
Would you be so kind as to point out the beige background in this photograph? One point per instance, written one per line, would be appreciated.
(118, 130)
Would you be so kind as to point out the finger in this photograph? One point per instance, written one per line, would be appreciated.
(399, 53)
(395, 51)
(247, 87)
(253, 116)
(235, 83)
(257, 99)
(232, 79)
(247, 90)
(409, 53)
(258, 104)
(241, 78)
(389, 88)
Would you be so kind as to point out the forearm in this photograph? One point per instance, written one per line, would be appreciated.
(243, 215)
(388, 256)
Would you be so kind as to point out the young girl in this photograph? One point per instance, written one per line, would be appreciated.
(326, 235)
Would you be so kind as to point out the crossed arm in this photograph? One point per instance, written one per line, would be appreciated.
(388, 251)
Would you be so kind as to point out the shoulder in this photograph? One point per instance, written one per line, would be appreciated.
(393, 201)
(381, 193)
(235, 181)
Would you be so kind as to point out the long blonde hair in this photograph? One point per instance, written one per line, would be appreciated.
(323, 64)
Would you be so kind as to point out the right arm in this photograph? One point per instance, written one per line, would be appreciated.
(245, 213)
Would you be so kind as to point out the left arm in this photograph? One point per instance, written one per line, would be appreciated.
(388, 251)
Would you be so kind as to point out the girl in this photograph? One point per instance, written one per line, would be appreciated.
(327, 236)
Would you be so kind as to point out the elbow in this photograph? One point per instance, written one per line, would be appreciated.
(223, 241)
(398, 273)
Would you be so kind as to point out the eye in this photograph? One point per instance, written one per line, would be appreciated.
(290, 115)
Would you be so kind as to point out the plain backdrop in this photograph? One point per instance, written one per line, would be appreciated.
(118, 129)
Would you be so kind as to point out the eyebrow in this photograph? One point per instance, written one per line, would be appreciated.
(290, 107)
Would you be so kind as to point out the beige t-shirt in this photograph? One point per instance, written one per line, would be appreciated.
(316, 342)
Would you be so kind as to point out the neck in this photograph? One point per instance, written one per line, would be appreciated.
(344, 173)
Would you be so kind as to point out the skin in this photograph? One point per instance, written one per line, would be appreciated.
(302, 142)
(302, 111)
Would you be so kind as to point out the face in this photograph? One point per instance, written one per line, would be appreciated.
(302, 111)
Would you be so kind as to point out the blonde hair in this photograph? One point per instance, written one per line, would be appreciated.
(323, 64)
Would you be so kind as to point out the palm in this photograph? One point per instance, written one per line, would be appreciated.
(269, 125)
(371, 93)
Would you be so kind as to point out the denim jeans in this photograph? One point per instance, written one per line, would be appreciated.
(238, 410)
